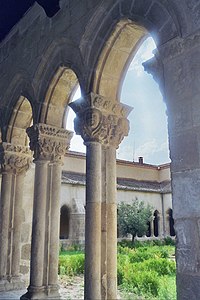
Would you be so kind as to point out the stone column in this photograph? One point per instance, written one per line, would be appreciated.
(93, 222)
(180, 75)
(111, 207)
(17, 223)
(15, 161)
(102, 124)
(54, 228)
(49, 144)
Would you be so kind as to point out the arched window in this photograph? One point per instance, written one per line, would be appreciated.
(156, 223)
(171, 222)
(148, 233)
(64, 222)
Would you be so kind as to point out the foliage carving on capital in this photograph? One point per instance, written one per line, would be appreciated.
(101, 120)
(49, 142)
(15, 158)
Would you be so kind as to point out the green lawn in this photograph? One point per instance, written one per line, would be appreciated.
(146, 270)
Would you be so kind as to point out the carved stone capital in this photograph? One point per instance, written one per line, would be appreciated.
(14, 158)
(49, 142)
(101, 120)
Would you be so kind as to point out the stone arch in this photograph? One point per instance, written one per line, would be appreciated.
(60, 54)
(158, 18)
(115, 58)
(18, 97)
(64, 222)
(20, 120)
(58, 96)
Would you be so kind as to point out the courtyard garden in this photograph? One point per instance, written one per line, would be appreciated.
(146, 270)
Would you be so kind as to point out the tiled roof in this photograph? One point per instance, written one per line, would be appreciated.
(122, 183)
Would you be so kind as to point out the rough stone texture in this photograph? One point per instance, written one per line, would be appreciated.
(24, 270)
(76, 38)
(25, 233)
(25, 252)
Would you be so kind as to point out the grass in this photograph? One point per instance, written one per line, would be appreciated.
(146, 271)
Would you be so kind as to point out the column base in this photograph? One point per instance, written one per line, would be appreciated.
(50, 292)
(11, 284)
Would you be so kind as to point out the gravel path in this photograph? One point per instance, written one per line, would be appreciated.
(71, 288)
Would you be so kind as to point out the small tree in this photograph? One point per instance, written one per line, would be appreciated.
(133, 218)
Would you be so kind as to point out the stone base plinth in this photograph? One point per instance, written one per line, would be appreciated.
(11, 284)
(50, 292)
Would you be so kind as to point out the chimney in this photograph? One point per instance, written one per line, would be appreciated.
(140, 160)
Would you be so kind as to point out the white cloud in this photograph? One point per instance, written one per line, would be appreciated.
(150, 148)
(144, 53)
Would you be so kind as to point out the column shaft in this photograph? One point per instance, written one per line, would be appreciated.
(38, 225)
(17, 224)
(104, 228)
(55, 224)
(111, 224)
(6, 190)
(93, 222)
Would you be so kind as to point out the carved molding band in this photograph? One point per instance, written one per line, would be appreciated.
(101, 120)
(49, 142)
(14, 158)
(178, 46)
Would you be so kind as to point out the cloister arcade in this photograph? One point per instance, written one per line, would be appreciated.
(91, 43)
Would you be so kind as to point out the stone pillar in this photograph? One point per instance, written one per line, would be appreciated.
(49, 144)
(180, 74)
(15, 161)
(54, 228)
(111, 207)
(102, 125)
(93, 222)
(17, 223)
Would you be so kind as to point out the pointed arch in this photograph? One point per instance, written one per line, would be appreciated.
(60, 53)
(158, 18)
(115, 58)
(19, 97)
(20, 120)
(59, 93)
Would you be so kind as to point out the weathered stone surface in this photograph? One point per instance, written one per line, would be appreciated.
(186, 189)
(78, 38)
(24, 270)
(26, 252)
(188, 286)
(25, 233)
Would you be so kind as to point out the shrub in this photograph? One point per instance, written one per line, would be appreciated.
(167, 289)
(141, 283)
(169, 241)
(71, 264)
(161, 266)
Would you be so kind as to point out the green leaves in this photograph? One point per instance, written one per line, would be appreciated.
(133, 218)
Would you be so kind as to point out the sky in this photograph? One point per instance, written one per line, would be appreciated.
(148, 135)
